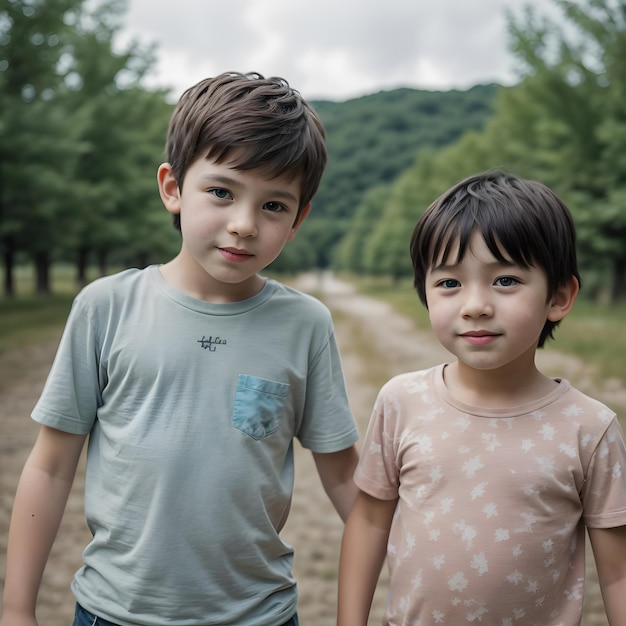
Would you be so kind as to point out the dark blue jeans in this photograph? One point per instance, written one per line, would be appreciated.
(83, 617)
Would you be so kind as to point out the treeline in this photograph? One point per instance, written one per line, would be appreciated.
(81, 138)
(563, 124)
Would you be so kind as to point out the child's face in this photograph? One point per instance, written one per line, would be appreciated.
(488, 314)
(233, 223)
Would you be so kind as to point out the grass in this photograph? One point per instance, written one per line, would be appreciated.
(27, 319)
(596, 334)
(592, 332)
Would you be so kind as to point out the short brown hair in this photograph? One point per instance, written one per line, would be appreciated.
(523, 218)
(268, 123)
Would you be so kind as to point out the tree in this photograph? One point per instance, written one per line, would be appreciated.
(575, 73)
(564, 123)
(80, 139)
(434, 171)
(122, 138)
(350, 253)
(373, 139)
(36, 139)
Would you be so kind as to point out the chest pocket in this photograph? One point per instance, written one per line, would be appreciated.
(259, 405)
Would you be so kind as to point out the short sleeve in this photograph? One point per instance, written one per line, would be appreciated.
(71, 394)
(377, 473)
(604, 490)
(328, 424)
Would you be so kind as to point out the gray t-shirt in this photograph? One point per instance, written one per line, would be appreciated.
(192, 408)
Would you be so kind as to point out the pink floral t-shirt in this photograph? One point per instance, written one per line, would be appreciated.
(492, 505)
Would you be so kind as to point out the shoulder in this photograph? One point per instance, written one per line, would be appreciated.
(404, 393)
(298, 302)
(410, 383)
(112, 286)
(107, 297)
(574, 403)
(115, 282)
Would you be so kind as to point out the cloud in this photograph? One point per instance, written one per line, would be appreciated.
(330, 49)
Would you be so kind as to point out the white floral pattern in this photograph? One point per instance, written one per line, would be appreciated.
(489, 527)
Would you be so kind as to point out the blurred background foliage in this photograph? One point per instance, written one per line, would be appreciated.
(81, 138)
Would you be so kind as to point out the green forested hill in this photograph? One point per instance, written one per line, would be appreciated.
(371, 140)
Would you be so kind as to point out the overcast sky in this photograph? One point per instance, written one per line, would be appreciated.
(329, 49)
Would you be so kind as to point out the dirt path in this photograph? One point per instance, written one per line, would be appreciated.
(376, 343)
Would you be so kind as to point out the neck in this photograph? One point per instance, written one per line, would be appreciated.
(195, 282)
(492, 389)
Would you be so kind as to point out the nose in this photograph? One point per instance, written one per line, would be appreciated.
(477, 303)
(242, 222)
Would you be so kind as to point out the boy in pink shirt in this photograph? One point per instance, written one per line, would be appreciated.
(479, 477)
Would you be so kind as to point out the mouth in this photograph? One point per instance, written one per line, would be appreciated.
(479, 337)
(237, 255)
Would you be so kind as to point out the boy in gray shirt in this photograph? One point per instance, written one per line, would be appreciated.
(190, 381)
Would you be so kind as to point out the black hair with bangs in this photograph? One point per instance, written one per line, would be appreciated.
(519, 217)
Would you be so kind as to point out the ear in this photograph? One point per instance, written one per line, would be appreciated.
(562, 301)
(168, 188)
(298, 222)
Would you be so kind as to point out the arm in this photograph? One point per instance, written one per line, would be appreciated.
(336, 471)
(40, 500)
(362, 555)
(609, 550)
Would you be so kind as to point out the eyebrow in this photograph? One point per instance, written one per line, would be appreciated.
(233, 182)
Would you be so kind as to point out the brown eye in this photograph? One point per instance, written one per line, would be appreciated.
(506, 281)
(274, 207)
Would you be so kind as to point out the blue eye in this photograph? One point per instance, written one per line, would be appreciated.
(222, 194)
